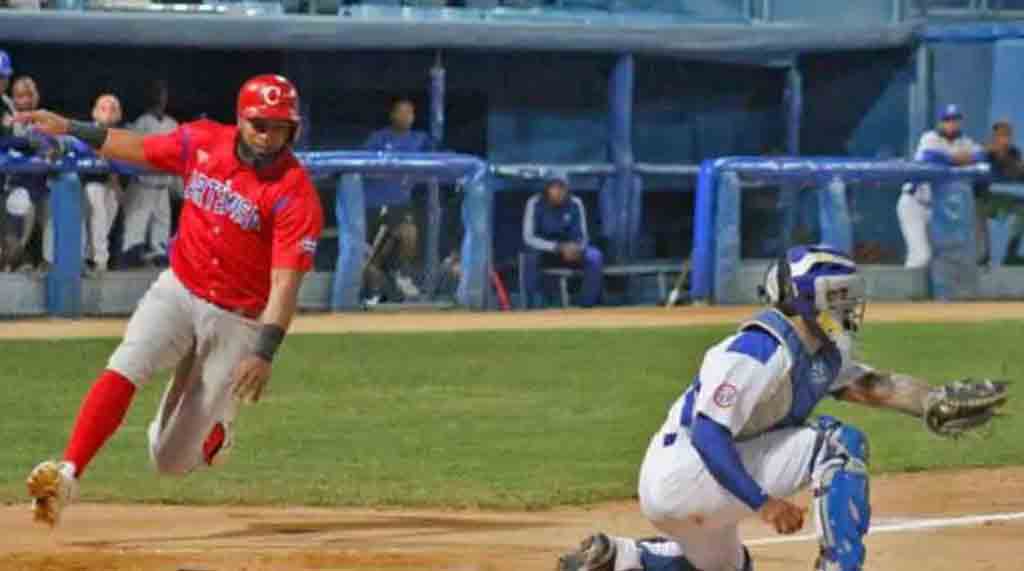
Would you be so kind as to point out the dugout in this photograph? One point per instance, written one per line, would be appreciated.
(594, 88)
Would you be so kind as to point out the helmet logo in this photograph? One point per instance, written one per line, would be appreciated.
(271, 94)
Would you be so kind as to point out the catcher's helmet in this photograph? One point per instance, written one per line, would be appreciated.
(820, 284)
(269, 97)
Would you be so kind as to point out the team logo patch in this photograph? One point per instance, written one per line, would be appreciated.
(725, 395)
(308, 245)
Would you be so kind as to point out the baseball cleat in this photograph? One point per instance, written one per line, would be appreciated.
(53, 487)
(595, 553)
(218, 444)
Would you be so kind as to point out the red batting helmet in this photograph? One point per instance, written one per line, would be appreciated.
(269, 97)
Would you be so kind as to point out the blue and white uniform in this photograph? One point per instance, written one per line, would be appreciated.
(741, 433)
(914, 208)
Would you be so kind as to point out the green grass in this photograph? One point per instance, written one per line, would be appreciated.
(512, 419)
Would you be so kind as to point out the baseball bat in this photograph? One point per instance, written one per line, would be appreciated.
(499, 288)
(677, 287)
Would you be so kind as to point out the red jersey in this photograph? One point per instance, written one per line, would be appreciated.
(237, 223)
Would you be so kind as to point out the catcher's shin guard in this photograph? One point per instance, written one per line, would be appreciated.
(841, 496)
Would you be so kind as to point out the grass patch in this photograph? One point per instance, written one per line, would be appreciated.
(525, 419)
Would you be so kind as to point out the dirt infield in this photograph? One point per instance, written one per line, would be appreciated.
(151, 538)
(926, 521)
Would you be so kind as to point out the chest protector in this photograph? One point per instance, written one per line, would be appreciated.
(808, 379)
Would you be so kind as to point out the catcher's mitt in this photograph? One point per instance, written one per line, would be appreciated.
(963, 405)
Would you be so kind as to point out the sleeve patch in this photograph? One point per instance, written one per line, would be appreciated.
(726, 395)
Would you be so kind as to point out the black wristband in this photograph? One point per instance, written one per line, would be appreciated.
(89, 133)
(271, 336)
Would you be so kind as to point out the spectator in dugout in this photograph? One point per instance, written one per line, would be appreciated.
(945, 145)
(101, 194)
(26, 194)
(6, 127)
(555, 234)
(147, 200)
(391, 219)
(1007, 166)
(6, 104)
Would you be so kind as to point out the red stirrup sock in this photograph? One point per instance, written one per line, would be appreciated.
(102, 412)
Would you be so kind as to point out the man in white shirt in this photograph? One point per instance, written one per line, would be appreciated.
(147, 201)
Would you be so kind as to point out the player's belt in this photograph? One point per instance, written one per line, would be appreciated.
(248, 314)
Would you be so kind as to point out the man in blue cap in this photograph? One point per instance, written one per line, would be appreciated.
(555, 234)
(391, 212)
(945, 145)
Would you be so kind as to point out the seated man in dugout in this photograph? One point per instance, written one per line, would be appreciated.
(555, 234)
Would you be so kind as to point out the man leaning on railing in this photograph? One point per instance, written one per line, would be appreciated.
(945, 145)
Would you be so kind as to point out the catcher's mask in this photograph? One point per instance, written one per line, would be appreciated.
(820, 284)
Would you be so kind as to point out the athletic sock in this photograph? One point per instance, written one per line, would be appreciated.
(103, 409)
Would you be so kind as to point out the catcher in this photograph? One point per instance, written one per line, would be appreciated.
(738, 441)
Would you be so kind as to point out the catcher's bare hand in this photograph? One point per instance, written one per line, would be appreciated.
(250, 379)
(785, 517)
(45, 121)
(963, 405)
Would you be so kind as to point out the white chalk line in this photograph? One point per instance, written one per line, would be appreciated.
(902, 526)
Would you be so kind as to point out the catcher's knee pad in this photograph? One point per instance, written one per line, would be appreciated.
(841, 495)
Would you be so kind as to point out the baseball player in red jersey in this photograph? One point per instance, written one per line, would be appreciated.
(246, 237)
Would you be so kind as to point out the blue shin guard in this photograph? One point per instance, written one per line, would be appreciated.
(841, 496)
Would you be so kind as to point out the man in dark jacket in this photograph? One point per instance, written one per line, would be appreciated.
(1007, 166)
(555, 233)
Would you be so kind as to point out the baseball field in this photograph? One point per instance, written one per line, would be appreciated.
(456, 441)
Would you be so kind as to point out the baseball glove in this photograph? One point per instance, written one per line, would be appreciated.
(963, 405)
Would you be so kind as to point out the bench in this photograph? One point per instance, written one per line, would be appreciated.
(661, 272)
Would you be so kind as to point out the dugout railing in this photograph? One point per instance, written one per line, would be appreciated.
(722, 186)
(716, 262)
(62, 287)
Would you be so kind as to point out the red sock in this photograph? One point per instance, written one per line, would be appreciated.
(102, 412)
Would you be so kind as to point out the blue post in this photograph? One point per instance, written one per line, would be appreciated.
(790, 202)
(728, 233)
(64, 281)
(702, 263)
(954, 267)
(920, 97)
(794, 98)
(350, 210)
(477, 212)
(834, 216)
(620, 150)
(433, 230)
